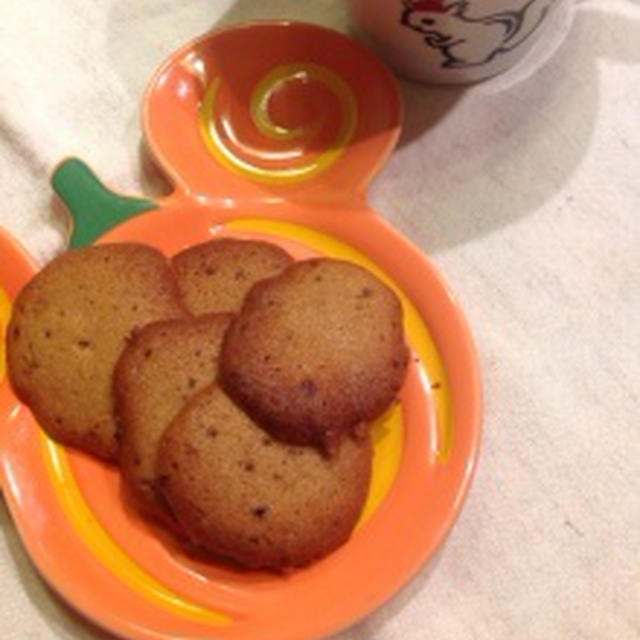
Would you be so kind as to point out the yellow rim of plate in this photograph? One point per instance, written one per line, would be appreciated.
(5, 314)
(387, 435)
(106, 550)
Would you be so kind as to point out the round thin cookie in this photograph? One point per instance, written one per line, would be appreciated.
(165, 364)
(315, 351)
(238, 493)
(69, 325)
(215, 276)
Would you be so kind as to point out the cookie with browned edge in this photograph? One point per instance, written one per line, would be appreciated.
(69, 325)
(160, 369)
(315, 351)
(238, 493)
(215, 276)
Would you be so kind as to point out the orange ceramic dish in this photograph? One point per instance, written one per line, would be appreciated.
(271, 130)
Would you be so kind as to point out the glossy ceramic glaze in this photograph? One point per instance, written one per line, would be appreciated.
(272, 131)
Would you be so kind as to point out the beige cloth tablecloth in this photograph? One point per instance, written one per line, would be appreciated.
(525, 191)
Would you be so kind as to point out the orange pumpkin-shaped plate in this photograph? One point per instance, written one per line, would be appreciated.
(271, 130)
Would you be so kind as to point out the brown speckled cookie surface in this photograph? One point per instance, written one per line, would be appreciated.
(315, 351)
(215, 276)
(238, 493)
(69, 325)
(160, 369)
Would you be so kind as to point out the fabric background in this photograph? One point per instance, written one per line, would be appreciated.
(524, 190)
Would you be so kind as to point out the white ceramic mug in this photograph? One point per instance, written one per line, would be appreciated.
(449, 41)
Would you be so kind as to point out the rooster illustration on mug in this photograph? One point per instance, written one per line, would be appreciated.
(467, 39)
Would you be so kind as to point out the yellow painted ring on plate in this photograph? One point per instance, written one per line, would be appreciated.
(387, 434)
(106, 550)
(5, 314)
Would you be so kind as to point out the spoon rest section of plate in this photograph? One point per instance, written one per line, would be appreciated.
(272, 110)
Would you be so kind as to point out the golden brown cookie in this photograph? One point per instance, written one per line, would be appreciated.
(70, 324)
(215, 276)
(238, 493)
(165, 364)
(315, 351)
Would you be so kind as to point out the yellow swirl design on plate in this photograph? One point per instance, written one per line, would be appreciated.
(257, 168)
(5, 314)
(105, 549)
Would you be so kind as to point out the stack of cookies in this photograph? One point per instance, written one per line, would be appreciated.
(232, 385)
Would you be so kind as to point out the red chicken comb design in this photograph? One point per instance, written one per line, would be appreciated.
(426, 5)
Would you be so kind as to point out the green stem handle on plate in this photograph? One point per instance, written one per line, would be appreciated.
(93, 208)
